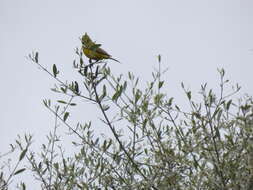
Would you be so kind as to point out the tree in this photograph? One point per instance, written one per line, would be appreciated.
(155, 144)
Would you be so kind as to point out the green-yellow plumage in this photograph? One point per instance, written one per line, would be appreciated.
(93, 50)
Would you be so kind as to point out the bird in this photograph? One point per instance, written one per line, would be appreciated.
(93, 50)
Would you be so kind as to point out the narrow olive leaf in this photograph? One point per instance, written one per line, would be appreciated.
(129, 75)
(97, 69)
(56, 166)
(19, 171)
(85, 69)
(55, 72)
(228, 104)
(74, 64)
(22, 155)
(76, 87)
(36, 57)
(159, 58)
(189, 95)
(64, 89)
(125, 85)
(62, 102)
(45, 102)
(160, 84)
(66, 115)
(137, 96)
(103, 94)
(81, 61)
(40, 165)
(120, 90)
(177, 107)
(170, 101)
(182, 84)
(115, 96)
(72, 104)
(23, 186)
(105, 107)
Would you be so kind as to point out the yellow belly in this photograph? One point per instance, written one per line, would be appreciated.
(94, 55)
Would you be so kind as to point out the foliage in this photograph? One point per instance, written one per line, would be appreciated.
(154, 143)
(6, 180)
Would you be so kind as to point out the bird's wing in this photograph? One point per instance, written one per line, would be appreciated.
(100, 50)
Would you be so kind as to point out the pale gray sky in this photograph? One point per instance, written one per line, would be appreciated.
(194, 37)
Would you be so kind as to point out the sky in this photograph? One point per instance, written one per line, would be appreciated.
(194, 38)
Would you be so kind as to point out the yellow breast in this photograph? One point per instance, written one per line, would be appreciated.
(94, 54)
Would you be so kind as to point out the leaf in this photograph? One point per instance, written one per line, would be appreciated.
(55, 72)
(115, 96)
(36, 57)
(56, 166)
(81, 61)
(96, 72)
(22, 155)
(76, 87)
(159, 58)
(137, 96)
(40, 165)
(64, 89)
(189, 95)
(177, 107)
(19, 171)
(66, 115)
(105, 107)
(117, 93)
(62, 102)
(182, 84)
(160, 84)
(85, 69)
(228, 104)
(170, 101)
(23, 186)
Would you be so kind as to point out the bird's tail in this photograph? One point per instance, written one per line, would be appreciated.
(114, 59)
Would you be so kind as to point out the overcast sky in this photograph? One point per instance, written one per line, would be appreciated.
(194, 37)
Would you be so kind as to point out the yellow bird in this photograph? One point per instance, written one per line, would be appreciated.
(93, 50)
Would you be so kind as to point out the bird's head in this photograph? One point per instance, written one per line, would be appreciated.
(86, 41)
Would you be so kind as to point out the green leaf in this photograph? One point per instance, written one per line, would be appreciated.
(170, 101)
(81, 61)
(66, 115)
(177, 108)
(62, 102)
(160, 84)
(189, 95)
(19, 171)
(117, 93)
(159, 58)
(36, 57)
(23, 186)
(22, 155)
(115, 96)
(55, 72)
(56, 166)
(103, 94)
(182, 84)
(130, 76)
(137, 96)
(105, 107)
(76, 87)
(64, 89)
